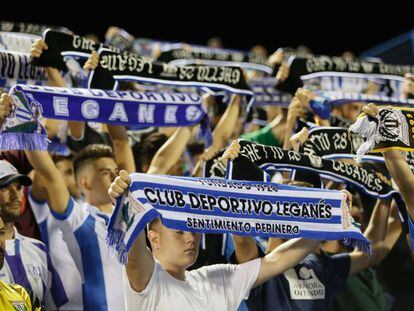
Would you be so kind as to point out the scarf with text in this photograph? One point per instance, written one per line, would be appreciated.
(89, 105)
(323, 102)
(265, 93)
(15, 68)
(392, 128)
(337, 143)
(270, 158)
(302, 69)
(29, 28)
(247, 208)
(62, 45)
(192, 55)
(17, 42)
(114, 67)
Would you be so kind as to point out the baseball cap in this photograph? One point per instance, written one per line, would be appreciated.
(9, 174)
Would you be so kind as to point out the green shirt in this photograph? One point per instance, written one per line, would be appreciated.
(263, 136)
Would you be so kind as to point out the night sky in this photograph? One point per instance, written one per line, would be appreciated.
(330, 28)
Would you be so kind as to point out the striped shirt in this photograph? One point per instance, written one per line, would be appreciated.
(84, 228)
(59, 254)
(28, 264)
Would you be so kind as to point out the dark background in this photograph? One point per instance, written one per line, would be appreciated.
(327, 28)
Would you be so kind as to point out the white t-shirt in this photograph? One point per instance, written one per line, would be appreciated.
(215, 287)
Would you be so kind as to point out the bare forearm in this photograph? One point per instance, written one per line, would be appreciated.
(123, 152)
(284, 257)
(290, 125)
(57, 192)
(400, 170)
(246, 248)
(54, 77)
(140, 264)
(403, 177)
(170, 152)
(377, 227)
(38, 190)
(293, 251)
(376, 232)
(227, 123)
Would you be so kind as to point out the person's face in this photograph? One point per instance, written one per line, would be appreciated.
(103, 174)
(11, 201)
(180, 248)
(351, 111)
(408, 86)
(2, 242)
(66, 169)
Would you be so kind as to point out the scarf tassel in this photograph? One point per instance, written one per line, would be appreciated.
(23, 141)
(115, 238)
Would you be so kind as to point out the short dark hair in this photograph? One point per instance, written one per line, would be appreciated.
(146, 149)
(57, 157)
(91, 152)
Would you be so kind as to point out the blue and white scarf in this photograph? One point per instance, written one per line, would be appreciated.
(28, 28)
(111, 107)
(224, 206)
(265, 93)
(17, 42)
(321, 105)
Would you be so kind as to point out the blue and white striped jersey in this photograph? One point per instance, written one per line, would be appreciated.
(28, 264)
(59, 254)
(84, 231)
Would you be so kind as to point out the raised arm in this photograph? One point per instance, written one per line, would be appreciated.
(376, 233)
(57, 192)
(284, 257)
(227, 123)
(54, 78)
(122, 149)
(140, 260)
(245, 248)
(398, 168)
(403, 177)
(170, 152)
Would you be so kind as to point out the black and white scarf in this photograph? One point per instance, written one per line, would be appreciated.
(337, 143)
(192, 55)
(393, 128)
(115, 67)
(302, 69)
(61, 45)
(270, 158)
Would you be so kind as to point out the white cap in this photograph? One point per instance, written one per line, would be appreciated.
(9, 174)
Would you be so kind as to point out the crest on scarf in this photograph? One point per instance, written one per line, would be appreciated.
(130, 208)
(24, 117)
(393, 126)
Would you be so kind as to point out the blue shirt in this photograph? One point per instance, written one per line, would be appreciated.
(310, 285)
